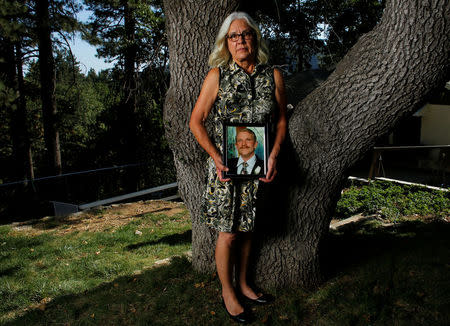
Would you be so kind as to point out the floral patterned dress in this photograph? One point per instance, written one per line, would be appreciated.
(231, 206)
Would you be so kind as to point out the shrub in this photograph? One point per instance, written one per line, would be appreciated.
(392, 201)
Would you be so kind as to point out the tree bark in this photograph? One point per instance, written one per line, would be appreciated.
(383, 78)
(24, 155)
(191, 28)
(22, 164)
(128, 109)
(48, 87)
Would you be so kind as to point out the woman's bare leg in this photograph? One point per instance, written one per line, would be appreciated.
(245, 248)
(224, 249)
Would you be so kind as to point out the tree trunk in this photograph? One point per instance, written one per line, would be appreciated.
(48, 87)
(128, 109)
(383, 78)
(24, 155)
(191, 28)
(22, 166)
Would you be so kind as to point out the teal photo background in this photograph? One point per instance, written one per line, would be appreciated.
(231, 140)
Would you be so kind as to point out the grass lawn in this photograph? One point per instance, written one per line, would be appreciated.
(377, 275)
(48, 259)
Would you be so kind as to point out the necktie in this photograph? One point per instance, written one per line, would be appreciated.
(244, 168)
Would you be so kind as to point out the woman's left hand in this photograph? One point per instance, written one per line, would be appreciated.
(271, 170)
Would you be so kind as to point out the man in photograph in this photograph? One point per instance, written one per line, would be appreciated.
(247, 163)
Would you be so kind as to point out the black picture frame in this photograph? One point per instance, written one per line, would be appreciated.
(231, 152)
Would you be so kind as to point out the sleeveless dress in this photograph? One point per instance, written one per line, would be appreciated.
(231, 206)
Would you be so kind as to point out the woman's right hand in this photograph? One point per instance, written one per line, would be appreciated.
(220, 168)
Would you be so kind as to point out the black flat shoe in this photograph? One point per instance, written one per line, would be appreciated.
(243, 318)
(262, 299)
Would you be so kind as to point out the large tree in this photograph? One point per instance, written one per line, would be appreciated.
(129, 32)
(384, 77)
(345, 21)
(50, 17)
(48, 86)
(13, 42)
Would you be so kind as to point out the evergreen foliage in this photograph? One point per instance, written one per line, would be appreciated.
(106, 29)
(298, 30)
(89, 116)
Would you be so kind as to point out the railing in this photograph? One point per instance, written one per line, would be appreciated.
(68, 174)
(71, 192)
(61, 208)
(377, 167)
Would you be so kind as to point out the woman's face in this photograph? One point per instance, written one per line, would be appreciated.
(243, 49)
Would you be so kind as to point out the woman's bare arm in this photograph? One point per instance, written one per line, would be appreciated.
(199, 114)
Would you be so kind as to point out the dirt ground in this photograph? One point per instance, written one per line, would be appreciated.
(116, 215)
(100, 218)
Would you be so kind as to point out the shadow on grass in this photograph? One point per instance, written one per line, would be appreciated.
(71, 220)
(394, 275)
(379, 276)
(172, 240)
(9, 271)
(167, 295)
(51, 222)
(359, 242)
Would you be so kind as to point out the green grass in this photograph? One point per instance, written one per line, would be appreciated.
(395, 275)
(376, 276)
(49, 265)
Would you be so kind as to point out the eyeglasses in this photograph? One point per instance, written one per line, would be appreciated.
(234, 37)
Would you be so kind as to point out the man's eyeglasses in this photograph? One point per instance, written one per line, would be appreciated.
(234, 37)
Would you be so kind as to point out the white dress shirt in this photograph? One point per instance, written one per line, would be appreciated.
(251, 163)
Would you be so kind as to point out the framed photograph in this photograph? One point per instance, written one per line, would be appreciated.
(245, 147)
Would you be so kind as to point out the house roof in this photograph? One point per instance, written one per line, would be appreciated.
(427, 108)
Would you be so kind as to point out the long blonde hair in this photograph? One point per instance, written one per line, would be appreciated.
(221, 56)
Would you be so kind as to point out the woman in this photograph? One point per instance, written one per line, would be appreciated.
(239, 88)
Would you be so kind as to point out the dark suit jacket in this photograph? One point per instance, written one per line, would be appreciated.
(232, 166)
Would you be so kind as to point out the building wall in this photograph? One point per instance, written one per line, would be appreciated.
(435, 128)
